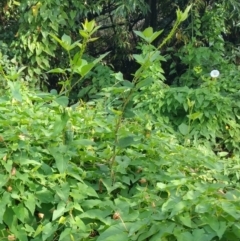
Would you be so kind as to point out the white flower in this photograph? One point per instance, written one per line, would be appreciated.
(214, 73)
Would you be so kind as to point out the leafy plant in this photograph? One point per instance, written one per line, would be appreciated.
(78, 65)
(102, 170)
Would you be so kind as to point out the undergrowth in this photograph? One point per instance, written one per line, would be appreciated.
(103, 170)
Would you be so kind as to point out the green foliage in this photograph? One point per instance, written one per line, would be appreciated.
(207, 113)
(58, 178)
(78, 65)
(107, 169)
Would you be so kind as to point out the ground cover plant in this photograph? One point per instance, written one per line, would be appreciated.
(117, 167)
(59, 183)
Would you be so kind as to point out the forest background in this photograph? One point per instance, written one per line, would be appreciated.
(120, 120)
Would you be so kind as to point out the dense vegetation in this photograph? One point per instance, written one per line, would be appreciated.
(112, 129)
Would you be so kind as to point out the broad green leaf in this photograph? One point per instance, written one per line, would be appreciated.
(148, 233)
(20, 212)
(179, 207)
(59, 211)
(125, 141)
(161, 185)
(231, 209)
(172, 205)
(30, 203)
(63, 191)
(148, 32)
(44, 196)
(21, 234)
(186, 219)
(48, 230)
(15, 89)
(167, 229)
(218, 226)
(80, 224)
(83, 33)
(117, 231)
(66, 39)
(87, 190)
(97, 214)
(63, 101)
(38, 230)
(5, 200)
(200, 235)
(203, 207)
(194, 116)
(10, 219)
(118, 76)
(64, 44)
(61, 160)
(60, 122)
(183, 128)
(128, 84)
(141, 35)
(139, 58)
(86, 68)
(185, 236)
(30, 162)
(89, 25)
(65, 233)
